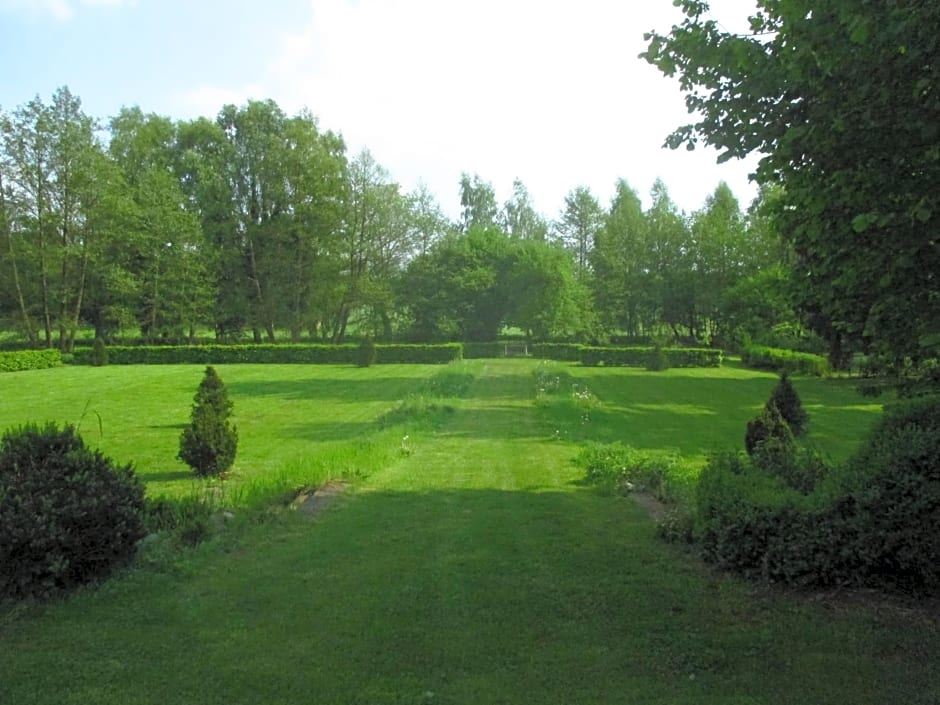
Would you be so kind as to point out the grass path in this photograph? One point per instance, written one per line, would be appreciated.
(474, 570)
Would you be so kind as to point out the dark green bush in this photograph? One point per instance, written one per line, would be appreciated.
(788, 403)
(877, 522)
(768, 433)
(68, 515)
(366, 352)
(209, 443)
(99, 353)
(894, 483)
(29, 360)
(781, 360)
(749, 521)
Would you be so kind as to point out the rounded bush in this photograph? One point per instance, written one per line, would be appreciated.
(768, 432)
(68, 515)
(894, 481)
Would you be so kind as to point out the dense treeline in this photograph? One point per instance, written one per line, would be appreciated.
(260, 222)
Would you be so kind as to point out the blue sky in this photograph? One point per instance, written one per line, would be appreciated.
(547, 91)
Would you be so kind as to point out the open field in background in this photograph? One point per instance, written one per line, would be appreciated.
(475, 568)
(290, 418)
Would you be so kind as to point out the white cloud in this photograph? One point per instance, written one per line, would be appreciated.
(207, 100)
(548, 91)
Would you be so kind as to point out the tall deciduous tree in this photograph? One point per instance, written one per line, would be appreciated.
(580, 221)
(478, 207)
(56, 177)
(169, 262)
(622, 285)
(842, 101)
(519, 217)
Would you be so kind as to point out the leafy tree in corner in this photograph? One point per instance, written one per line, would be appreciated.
(842, 100)
(209, 443)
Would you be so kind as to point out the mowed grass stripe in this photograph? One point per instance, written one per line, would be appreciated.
(474, 570)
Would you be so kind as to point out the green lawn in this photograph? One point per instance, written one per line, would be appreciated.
(289, 417)
(476, 569)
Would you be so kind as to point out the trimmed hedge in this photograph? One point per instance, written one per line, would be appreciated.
(563, 352)
(29, 360)
(421, 354)
(646, 357)
(473, 351)
(781, 360)
(347, 354)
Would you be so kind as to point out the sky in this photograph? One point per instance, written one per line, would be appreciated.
(547, 91)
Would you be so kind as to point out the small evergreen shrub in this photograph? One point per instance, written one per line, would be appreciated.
(659, 360)
(99, 353)
(788, 403)
(366, 352)
(209, 443)
(768, 433)
(68, 515)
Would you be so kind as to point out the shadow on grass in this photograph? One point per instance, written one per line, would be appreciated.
(349, 390)
(327, 431)
(474, 596)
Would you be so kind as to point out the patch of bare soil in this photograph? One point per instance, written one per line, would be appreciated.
(312, 503)
(655, 508)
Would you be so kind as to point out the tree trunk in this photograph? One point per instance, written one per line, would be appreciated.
(21, 302)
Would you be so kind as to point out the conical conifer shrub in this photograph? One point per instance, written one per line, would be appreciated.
(788, 403)
(209, 443)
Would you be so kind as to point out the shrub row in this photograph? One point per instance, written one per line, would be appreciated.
(563, 352)
(781, 360)
(29, 360)
(875, 522)
(418, 353)
(268, 353)
(473, 351)
(647, 357)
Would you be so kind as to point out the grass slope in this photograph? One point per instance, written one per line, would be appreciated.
(475, 570)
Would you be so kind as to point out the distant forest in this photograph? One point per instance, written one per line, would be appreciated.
(259, 225)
